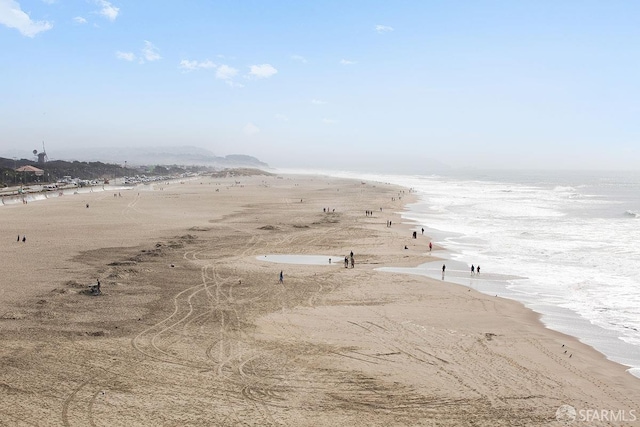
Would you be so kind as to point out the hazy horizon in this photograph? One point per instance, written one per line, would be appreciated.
(357, 85)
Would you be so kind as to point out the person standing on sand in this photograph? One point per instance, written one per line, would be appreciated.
(346, 262)
(478, 270)
(24, 238)
(18, 238)
(430, 246)
(444, 267)
(281, 277)
(473, 270)
(423, 231)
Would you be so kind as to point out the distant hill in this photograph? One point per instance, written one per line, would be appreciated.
(167, 155)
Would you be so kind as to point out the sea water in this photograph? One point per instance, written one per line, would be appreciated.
(566, 244)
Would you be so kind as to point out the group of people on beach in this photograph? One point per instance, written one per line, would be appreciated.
(24, 238)
(474, 270)
(350, 259)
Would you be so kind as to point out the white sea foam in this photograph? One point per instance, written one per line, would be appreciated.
(564, 232)
(633, 214)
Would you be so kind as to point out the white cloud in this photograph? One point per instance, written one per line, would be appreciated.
(329, 121)
(12, 16)
(251, 129)
(299, 58)
(317, 102)
(383, 29)
(108, 10)
(79, 20)
(231, 83)
(347, 62)
(150, 52)
(206, 64)
(187, 65)
(126, 56)
(262, 71)
(225, 72)
(282, 117)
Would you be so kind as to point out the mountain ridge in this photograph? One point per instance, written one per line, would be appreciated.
(160, 155)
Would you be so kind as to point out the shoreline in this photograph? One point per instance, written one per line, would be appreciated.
(191, 327)
(558, 319)
(539, 316)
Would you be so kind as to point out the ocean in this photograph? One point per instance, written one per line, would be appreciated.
(565, 244)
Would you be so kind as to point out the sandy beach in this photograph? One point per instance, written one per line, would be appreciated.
(193, 328)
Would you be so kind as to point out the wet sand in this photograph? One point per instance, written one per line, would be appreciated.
(192, 329)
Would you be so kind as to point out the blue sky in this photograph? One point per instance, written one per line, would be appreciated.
(373, 85)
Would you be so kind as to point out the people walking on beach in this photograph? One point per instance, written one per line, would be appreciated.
(423, 231)
(346, 262)
(444, 267)
(430, 246)
(473, 270)
(18, 237)
(478, 270)
(281, 277)
(24, 238)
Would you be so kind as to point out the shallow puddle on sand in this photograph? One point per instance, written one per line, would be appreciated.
(303, 259)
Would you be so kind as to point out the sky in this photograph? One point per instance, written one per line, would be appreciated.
(361, 85)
